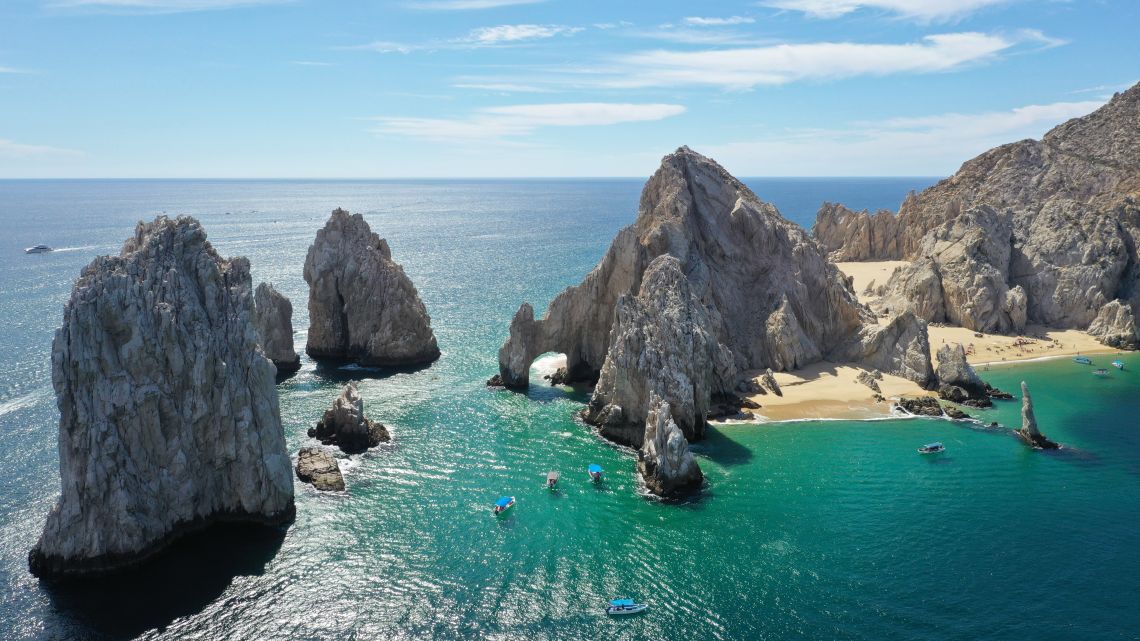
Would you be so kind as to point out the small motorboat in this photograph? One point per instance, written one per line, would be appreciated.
(1100, 372)
(1118, 364)
(595, 472)
(37, 249)
(626, 606)
(1082, 360)
(552, 480)
(932, 448)
(504, 503)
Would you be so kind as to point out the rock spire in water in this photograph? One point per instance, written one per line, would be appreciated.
(168, 409)
(664, 459)
(1029, 432)
(362, 306)
(740, 289)
(345, 425)
(273, 316)
(1037, 231)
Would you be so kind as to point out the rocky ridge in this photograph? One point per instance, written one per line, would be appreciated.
(168, 410)
(362, 306)
(273, 317)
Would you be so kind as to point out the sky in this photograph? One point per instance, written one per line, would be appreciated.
(542, 88)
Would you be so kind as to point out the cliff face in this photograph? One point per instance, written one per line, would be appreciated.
(273, 316)
(740, 289)
(168, 408)
(1043, 228)
(362, 306)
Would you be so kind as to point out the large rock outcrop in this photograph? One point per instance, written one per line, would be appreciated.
(273, 316)
(168, 410)
(664, 459)
(1115, 326)
(954, 369)
(320, 469)
(1037, 231)
(345, 425)
(661, 347)
(1029, 431)
(362, 306)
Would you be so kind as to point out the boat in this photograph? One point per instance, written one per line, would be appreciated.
(1118, 364)
(625, 606)
(932, 448)
(552, 480)
(1083, 360)
(1100, 372)
(595, 471)
(37, 249)
(504, 504)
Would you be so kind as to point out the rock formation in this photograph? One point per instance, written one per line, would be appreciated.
(362, 306)
(1029, 432)
(273, 316)
(345, 425)
(664, 459)
(320, 469)
(769, 381)
(1115, 326)
(921, 406)
(708, 283)
(661, 346)
(1030, 232)
(954, 369)
(168, 409)
(869, 379)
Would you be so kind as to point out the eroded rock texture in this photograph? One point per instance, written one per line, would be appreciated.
(1029, 431)
(664, 459)
(1037, 231)
(362, 306)
(345, 425)
(319, 469)
(168, 409)
(273, 316)
(1115, 326)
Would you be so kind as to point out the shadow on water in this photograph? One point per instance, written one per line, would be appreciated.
(718, 447)
(181, 581)
(334, 372)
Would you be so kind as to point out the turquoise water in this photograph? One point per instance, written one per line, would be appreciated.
(813, 530)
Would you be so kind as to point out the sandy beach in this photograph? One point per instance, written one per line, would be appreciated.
(830, 390)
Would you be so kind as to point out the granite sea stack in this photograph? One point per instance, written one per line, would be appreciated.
(273, 316)
(664, 459)
(740, 289)
(345, 425)
(958, 381)
(1029, 432)
(1037, 231)
(168, 409)
(363, 308)
(320, 469)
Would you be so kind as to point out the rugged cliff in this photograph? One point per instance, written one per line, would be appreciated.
(273, 316)
(168, 408)
(1038, 231)
(362, 306)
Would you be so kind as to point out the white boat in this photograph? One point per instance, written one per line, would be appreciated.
(37, 249)
(625, 606)
(1082, 360)
(1100, 372)
(552, 480)
(1118, 364)
(932, 448)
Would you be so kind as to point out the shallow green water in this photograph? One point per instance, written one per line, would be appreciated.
(812, 530)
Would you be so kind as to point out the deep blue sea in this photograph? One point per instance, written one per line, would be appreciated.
(810, 530)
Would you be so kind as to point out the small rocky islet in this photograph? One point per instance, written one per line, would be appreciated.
(164, 366)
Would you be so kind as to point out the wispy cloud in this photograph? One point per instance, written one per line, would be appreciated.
(697, 21)
(923, 10)
(4, 69)
(518, 33)
(503, 87)
(10, 149)
(515, 121)
(914, 145)
(467, 5)
(311, 63)
(157, 6)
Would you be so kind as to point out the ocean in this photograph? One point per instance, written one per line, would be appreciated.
(807, 530)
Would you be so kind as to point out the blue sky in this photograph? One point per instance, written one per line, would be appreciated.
(399, 88)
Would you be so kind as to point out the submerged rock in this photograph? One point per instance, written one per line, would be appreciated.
(1029, 432)
(320, 469)
(168, 409)
(273, 316)
(362, 306)
(664, 460)
(345, 425)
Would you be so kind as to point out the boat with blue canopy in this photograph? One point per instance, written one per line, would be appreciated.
(932, 448)
(504, 503)
(625, 606)
(1082, 360)
(595, 471)
(1118, 364)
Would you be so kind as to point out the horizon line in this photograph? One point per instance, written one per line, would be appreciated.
(434, 178)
